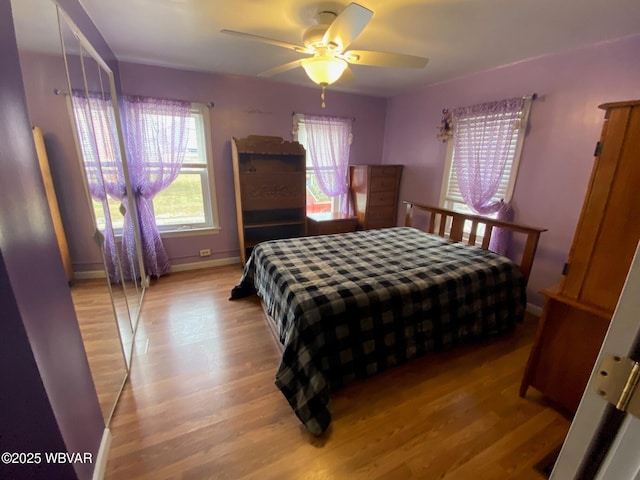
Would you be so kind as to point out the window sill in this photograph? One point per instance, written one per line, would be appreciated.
(189, 232)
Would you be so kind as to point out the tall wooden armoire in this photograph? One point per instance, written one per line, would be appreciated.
(577, 312)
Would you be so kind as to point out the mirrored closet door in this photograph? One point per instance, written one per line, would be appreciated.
(70, 90)
(94, 107)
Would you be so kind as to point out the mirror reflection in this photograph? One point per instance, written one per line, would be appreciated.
(97, 140)
(86, 171)
(94, 106)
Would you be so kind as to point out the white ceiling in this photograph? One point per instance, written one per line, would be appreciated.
(460, 37)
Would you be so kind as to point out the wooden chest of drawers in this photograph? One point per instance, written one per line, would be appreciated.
(374, 190)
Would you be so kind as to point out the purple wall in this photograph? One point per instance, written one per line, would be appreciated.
(557, 158)
(555, 167)
(42, 74)
(24, 405)
(76, 12)
(48, 400)
(243, 106)
(246, 106)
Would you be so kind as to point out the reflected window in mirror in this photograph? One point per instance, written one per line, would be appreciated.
(96, 127)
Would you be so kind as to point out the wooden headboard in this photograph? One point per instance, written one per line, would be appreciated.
(441, 218)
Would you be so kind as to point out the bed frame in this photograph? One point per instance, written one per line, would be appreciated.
(459, 304)
(450, 224)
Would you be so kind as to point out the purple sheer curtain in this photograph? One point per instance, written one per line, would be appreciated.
(329, 143)
(95, 121)
(156, 141)
(482, 139)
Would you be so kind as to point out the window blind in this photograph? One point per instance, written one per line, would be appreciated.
(474, 125)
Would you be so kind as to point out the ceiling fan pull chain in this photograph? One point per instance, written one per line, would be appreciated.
(322, 96)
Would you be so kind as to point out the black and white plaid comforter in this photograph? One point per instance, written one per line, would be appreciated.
(351, 305)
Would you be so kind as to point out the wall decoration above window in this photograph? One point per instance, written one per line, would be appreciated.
(445, 130)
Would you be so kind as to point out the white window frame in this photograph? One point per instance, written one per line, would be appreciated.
(446, 201)
(211, 224)
(299, 122)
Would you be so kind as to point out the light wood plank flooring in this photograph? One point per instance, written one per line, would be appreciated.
(201, 403)
(99, 331)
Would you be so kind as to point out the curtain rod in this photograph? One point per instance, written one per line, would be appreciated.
(293, 114)
(533, 96)
(57, 91)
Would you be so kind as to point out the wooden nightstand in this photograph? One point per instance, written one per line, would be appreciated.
(329, 222)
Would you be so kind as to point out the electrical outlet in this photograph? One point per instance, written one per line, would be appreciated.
(205, 252)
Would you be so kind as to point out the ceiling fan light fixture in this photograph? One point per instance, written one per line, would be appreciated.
(324, 70)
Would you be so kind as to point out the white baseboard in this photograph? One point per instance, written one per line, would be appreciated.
(100, 467)
(89, 274)
(534, 309)
(183, 267)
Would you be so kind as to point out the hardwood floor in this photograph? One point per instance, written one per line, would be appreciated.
(201, 403)
(99, 330)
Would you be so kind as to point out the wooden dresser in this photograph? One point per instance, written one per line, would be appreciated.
(374, 190)
(270, 188)
(577, 312)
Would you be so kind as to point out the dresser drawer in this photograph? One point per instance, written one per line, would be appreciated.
(383, 214)
(384, 198)
(385, 223)
(385, 171)
(383, 184)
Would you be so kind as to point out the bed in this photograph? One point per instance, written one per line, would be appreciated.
(352, 305)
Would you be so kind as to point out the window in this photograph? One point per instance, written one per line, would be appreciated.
(335, 141)
(186, 204)
(317, 200)
(117, 219)
(451, 197)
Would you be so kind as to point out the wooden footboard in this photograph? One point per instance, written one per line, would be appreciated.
(451, 225)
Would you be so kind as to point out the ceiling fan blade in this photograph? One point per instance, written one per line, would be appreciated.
(347, 78)
(281, 68)
(249, 36)
(347, 26)
(383, 59)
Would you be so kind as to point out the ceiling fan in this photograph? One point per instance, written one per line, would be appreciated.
(327, 43)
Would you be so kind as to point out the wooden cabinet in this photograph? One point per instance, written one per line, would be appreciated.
(326, 223)
(577, 312)
(270, 188)
(374, 190)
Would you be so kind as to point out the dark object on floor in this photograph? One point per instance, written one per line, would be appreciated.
(545, 466)
(241, 290)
